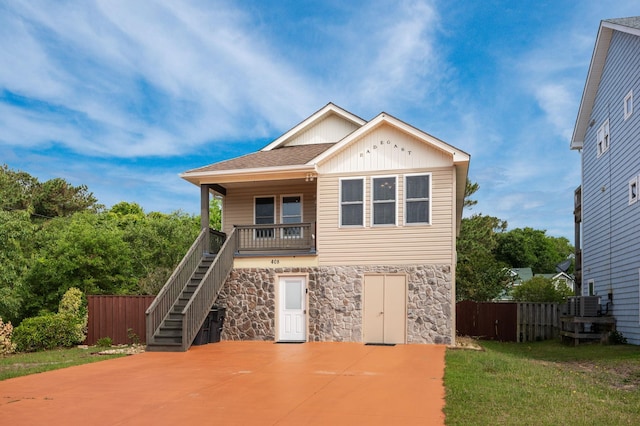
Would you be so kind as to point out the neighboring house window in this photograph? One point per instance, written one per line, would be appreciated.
(633, 190)
(628, 104)
(603, 138)
(590, 288)
(265, 209)
(417, 191)
(352, 202)
(292, 213)
(384, 200)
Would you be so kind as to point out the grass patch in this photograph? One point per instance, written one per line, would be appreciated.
(543, 383)
(23, 364)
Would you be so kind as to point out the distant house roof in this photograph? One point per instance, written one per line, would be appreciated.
(628, 25)
(525, 274)
(631, 22)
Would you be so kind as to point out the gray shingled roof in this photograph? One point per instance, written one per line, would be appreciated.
(285, 156)
(631, 22)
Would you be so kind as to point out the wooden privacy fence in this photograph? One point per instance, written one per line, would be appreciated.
(538, 321)
(117, 317)
(508, 321)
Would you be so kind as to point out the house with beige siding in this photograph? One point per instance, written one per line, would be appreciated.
(341, 229)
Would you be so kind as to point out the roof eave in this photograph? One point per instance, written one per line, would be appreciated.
(249, 175)
(596, 66)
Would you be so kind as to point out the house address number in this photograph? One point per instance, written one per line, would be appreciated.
(275, 261)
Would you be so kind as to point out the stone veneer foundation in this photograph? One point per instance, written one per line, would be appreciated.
(335, 302)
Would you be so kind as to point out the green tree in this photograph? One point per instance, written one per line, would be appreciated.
(53, 198)
(479, 276)
(215, 214)
(56, 197)
(540, 289)
(532, 248)
(16, 189)
(86, 251)
(469, 190)
(157, 242)
(17, 237)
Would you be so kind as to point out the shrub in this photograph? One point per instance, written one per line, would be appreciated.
(66, 328)
(73, 305)
(616, 338)
(46, 332)
(6, 346)
(540, 289)
(104, 342)
(133, 337)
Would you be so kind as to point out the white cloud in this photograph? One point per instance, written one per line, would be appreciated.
(147, 77)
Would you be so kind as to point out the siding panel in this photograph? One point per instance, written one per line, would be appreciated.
(430, 244)
(610, 224)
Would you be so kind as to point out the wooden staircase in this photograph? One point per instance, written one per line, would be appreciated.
(168, 337)
(182, 305)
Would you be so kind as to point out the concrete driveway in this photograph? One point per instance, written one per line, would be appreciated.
(239, 383)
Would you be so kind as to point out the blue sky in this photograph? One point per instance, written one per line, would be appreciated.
(123, 96)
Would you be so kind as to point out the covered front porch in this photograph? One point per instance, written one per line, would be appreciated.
(265, 218)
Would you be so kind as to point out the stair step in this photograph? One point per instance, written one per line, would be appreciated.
(164, 347)
(167, 340)
(169, 333)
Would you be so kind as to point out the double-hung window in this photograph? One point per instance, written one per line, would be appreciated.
(265, 213)
(292, 213)
(628, 105)
(417, 190)
(603, 138)
(633, 190)
(384, 200)
(352, 202)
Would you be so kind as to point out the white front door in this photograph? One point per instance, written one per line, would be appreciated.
(292, 309)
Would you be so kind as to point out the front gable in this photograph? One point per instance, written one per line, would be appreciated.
(384, 148)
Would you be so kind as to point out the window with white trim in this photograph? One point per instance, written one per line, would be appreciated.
(603, 138)
(384, 194)
(591, 288)
(291, 212)
(352, 202)
(633, 190)
(628, 104)
(417, 203)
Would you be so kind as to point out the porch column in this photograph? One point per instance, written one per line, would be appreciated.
(204, 213)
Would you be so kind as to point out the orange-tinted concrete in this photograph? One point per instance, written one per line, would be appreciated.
(239, 383)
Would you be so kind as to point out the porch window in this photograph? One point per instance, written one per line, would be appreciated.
(264, 214)
(352, 202)
(417, 199)
(292, 213)
(384, 200)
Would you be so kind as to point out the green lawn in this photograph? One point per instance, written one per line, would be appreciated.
(543, 383)
(36, 362)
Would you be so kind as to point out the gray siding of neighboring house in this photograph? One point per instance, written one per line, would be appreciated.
(611, 227)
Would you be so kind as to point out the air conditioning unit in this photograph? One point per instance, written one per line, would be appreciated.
(587, 306)
(570, 308)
